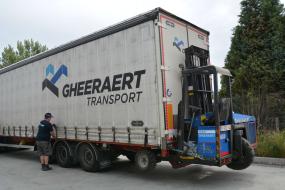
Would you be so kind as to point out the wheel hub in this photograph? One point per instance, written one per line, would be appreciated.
(88, 157)
(62, 153)
(143, 161)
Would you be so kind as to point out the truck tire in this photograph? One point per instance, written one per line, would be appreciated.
(114, 155)
(243, 160)
(62, 155)
(52, 159)
(131, 156)
(88, 158)
(145, 160)
(3, 149)
(9, 149)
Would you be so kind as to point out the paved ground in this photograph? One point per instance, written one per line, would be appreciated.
(20, 170)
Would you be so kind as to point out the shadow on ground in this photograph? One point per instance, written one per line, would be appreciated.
(203, 176)
(195, 175)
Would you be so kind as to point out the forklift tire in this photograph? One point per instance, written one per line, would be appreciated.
(88, 158)
(145, 160)
(243, 160)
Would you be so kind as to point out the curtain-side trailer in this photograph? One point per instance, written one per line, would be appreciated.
(125, 90)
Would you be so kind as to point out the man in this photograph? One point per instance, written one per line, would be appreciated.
(45, 131)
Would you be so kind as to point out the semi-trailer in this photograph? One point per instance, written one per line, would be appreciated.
(143, 88)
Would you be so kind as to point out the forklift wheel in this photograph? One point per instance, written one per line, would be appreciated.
(243, 159)
(145, 160)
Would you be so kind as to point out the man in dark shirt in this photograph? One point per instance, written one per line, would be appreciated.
(45, 131)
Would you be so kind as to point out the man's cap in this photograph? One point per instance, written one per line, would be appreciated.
(48, 115)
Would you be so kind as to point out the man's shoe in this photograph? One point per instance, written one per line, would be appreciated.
(48, 167)
(44, 168)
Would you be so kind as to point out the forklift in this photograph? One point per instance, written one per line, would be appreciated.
(208, 131)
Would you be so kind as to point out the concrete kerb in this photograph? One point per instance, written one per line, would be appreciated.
(270, 161)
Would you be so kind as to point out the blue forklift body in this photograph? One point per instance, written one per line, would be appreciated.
(206, 147)
(249, 124)
(207, 137)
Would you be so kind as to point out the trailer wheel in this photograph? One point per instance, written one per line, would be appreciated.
(145, 160)
(244, 159)
(9, 149)
(62, 155)
(88, 158)
(114, 155)
(3, 149)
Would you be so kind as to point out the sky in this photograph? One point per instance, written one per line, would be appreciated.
(55, 22)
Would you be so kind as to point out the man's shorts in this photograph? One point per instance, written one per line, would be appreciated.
(44, 148)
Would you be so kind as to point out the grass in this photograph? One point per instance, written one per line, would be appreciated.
(271, 144)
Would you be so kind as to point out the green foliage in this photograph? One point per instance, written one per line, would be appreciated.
(271, 144)
(257, 54)
(24, 49)
(257, 57)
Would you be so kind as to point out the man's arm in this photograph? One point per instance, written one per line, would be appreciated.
(52, 133)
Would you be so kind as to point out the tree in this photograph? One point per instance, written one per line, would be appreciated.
(24, 49)
(257, 58)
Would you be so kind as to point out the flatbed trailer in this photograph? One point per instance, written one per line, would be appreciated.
(117, 91)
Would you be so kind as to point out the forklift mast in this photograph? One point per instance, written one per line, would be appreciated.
(199, 86)
(196, 91)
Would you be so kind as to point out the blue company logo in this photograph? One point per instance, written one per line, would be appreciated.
(168, 93)
(50, 84)
(178, 43)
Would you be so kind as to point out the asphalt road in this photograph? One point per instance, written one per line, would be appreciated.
(21, 170)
